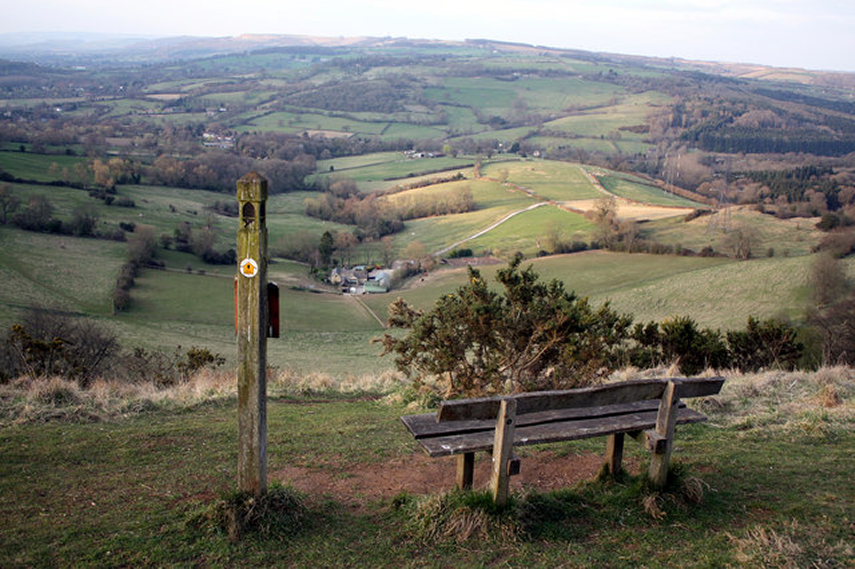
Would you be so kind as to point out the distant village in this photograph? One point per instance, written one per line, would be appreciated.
(367, 279)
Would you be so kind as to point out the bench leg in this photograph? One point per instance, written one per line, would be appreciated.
(666, 422)
(465, 470)
(614, 453)
(503, 446)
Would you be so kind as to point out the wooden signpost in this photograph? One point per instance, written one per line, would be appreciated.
(252, 330)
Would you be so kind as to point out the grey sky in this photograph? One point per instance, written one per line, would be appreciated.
(815, 34)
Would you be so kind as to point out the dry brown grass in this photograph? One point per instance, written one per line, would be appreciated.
(792, 546)
(29, 400)
(815, 403)
(287, 381)
(818, 402)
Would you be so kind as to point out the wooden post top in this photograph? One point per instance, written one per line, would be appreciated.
(252, 188)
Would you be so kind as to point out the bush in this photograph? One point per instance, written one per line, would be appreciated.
(764, 345)
(54, 344)
(532, 336)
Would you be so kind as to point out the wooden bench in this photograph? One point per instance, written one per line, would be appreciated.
(646, 409)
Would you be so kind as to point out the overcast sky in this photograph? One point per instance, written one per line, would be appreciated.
(814, 34)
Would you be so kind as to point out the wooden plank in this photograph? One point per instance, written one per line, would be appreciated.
(425, 425)
(698, 386)
(503, 447)
(612, 394)
(666, 420)
(486, 408)
(553, 432)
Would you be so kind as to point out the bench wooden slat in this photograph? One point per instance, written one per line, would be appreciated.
(425, 425)
(553, 432)
(639, 390)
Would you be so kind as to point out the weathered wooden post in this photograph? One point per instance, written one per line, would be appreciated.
(252, 334)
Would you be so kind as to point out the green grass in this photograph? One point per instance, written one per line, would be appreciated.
(121, 493)
(348, 162)
(37, 167)
(589, 144)
(402, 168)
(551, 180)
(782, 237)
(640, 190)
(493, 96)
(493, 201)
(65, 273)
(298, 122)
(656, 287)
(525, 232)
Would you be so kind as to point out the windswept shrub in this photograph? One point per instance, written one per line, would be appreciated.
(532, 336)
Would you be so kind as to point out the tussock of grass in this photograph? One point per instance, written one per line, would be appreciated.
(459, 516)
(790, 547)
(279, 512)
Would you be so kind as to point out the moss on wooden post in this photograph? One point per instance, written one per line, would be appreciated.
(252, 334)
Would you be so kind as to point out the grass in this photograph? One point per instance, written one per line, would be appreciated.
(782, 237)
(640, 190)
(551, 180)
(37, 167)
(401, 168)
(128, 491)
(656, 287)
(69, 273)
(525, 232)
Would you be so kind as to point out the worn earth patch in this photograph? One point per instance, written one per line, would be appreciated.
(357, 485)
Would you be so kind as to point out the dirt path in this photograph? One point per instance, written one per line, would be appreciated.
(357, 485)
(367, 309)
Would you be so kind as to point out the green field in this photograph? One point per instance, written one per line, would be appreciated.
(525, 232)
(780, 237)
(66, 273)
(29, 166)
(640, 190)
(656, 287)
(493, 201)
(363, 160)
(495, 96)
(550, 180)
(401, 168)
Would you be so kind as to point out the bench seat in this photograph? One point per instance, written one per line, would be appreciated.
(444, 439)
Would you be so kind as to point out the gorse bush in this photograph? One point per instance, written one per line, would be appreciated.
(533, 335)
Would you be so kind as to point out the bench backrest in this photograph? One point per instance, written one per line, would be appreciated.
(602, 395)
